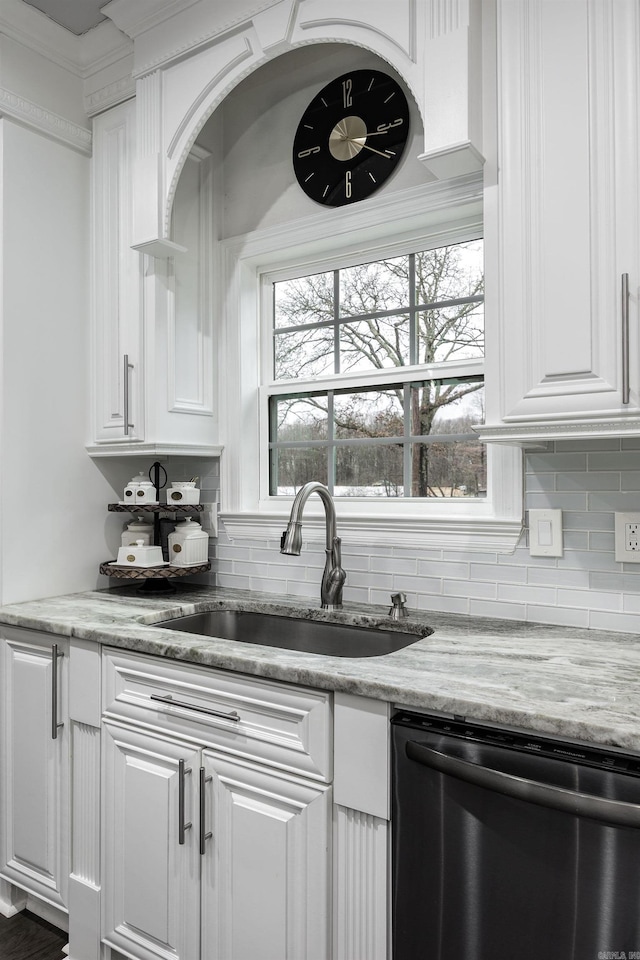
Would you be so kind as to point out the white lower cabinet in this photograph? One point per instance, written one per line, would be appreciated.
(34, 764)
(209, 854)
(183, 812)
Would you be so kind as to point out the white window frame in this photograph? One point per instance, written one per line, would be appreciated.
(434, 215)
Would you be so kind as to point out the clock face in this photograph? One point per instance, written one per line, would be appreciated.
(351, 137)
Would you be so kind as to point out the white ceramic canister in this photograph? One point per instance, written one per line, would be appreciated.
(183, 491)
(137, 530)
(132, 488)
(188, 544)
(146, 492)
(139, 555)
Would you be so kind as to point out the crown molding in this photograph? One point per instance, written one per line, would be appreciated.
(46, 122)
(81, 56)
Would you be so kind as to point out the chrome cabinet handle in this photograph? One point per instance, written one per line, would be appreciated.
(616, 812)
(625, 337)
(235, 717)
(125, 379)
(204, 834)
(55, 726)
(182, 826)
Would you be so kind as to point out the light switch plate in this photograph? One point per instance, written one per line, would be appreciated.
(545, 533)
(627, 539)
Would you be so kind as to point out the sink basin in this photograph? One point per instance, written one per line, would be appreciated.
(293, 633)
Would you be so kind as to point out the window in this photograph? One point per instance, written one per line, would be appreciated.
(329, 373)
(398, 346)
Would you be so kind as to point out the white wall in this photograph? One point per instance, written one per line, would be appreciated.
(52, 497)
(259, 121)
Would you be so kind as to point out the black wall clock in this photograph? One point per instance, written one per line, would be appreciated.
(351, 137)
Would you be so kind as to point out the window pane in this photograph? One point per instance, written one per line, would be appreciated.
(451, 333)
(374, 344)
(457, 469)
(449, 273)
(446, 406)
(299, 418)
(308, 353)
(369, 471)
(292, 467)
(371, 413)
(303, 300)
(374, 287)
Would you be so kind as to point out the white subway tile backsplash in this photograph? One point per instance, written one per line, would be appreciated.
(626, 622)
(566, 616)
(602, 541)
(470, 588)
(555, 577)
(394, 565)
(587, 480)
(589, 599)
(440, 568)
(498, 609)
(442, 604)
(526, 593)
(498, 572)
(624, 460)
(557, 501)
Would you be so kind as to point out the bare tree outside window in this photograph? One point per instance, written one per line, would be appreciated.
(411, 438)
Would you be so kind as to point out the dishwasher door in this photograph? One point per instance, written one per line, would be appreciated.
(507, 846)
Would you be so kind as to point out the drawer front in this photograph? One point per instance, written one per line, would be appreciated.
(277, 723)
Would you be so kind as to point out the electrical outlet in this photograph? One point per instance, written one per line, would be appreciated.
(627, 539)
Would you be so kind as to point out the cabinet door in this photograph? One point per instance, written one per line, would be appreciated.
(567, 210)
(265, 887)
(34, 764)
(117, 281)
(151, 879)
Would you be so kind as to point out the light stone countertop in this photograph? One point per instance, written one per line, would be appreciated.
(575, 683)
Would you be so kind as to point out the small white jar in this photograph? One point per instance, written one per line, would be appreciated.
(188, 544)
(140, 555)
(135, 531)
(146, 492)
(132, 488)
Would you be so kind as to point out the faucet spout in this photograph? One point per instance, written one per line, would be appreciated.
(333, 577)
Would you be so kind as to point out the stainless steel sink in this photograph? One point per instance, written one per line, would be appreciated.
(293, 633)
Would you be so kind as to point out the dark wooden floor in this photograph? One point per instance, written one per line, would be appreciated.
(27, 937)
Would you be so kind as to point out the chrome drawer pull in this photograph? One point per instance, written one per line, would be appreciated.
(182, 826)
(625, 337)
(204, 834)
(127, 366)
(235, 717)
(55, 726)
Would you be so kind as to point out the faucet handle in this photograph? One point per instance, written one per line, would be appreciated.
(398, 610)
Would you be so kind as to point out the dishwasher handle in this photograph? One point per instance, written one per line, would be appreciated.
(615, 812)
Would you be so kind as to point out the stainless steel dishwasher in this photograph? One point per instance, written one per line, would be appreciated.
(510, 846)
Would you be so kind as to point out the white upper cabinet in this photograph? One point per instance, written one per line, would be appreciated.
(153, 352)
(563, 223)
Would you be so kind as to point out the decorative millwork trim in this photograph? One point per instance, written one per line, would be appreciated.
(110, 95)
(44, 121)
(537, 433)
(445, 16)
(133, 448)
(244, 53)
(86, 803)
(360, 888)
(471, 535)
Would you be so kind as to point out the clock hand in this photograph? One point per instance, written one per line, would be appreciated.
(359, 140)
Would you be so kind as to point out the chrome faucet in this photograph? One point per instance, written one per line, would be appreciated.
(334, 576)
